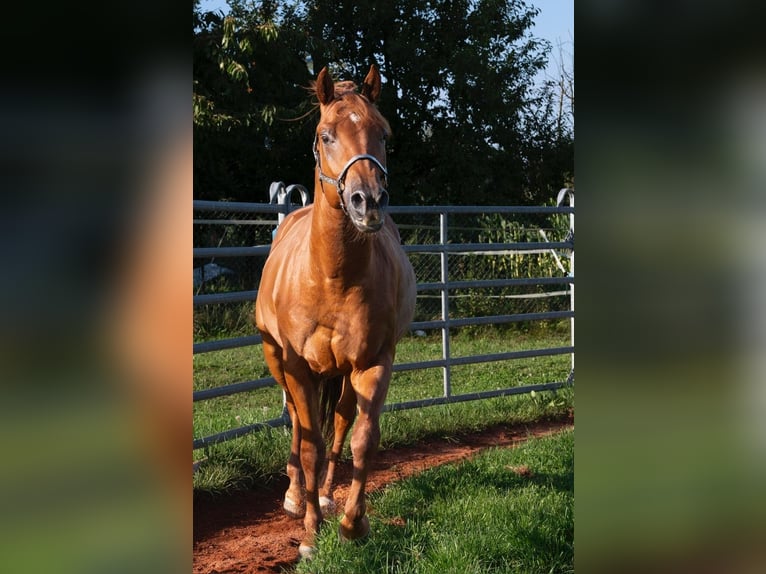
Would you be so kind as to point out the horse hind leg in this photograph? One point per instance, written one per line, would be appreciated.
(345, 413)
(302, 388)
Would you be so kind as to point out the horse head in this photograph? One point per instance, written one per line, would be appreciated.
(350, 149)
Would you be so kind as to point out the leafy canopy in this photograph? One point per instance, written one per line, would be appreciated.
(469, 126)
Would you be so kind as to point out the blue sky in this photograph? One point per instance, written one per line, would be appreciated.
(555, 23)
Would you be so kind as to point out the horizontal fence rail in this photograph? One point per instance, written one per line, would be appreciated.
(443, 249)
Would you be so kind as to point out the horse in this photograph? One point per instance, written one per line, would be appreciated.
(336, 295)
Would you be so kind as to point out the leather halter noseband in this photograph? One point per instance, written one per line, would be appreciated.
(340, 182)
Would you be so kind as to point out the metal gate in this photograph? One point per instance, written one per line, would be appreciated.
(422, 241)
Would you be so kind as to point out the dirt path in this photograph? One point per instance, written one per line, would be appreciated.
(247, 532)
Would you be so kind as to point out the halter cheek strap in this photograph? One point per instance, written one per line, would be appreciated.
(340, 182)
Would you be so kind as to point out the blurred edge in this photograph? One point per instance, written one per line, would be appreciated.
(671, 223)
(95, 319)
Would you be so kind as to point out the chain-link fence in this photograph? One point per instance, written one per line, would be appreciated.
(477, 267)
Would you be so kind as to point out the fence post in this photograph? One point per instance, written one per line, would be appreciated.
(445, 303)
(568, 192)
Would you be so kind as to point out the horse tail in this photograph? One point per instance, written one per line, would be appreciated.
(329, 395)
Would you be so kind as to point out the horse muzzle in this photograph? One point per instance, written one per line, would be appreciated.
(367, 210)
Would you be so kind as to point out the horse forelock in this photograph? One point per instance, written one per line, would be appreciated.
(356, 106)
(345, 87)
(341, 88)
(347, 100)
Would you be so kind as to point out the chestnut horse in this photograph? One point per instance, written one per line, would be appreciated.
(336, 294)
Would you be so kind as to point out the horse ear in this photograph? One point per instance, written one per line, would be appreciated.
(325, 87)
(371, 85)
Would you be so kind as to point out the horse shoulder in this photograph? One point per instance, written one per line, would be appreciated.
(280, 265)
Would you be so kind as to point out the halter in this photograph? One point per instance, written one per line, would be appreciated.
(340, 182)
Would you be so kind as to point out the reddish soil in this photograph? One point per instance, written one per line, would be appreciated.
(247, 532)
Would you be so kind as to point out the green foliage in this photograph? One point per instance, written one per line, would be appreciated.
(223, 320)
(468, 127)
(249, 79)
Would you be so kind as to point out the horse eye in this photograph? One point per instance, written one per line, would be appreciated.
(325, 138)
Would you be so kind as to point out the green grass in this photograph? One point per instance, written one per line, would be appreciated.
(479, 516)
(260, 456)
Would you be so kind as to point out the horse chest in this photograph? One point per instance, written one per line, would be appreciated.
(338, 342)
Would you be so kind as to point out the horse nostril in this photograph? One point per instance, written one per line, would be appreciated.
(357, 199)
(383, 201)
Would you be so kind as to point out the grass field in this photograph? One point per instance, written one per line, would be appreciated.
(504, 511)
(260, 456)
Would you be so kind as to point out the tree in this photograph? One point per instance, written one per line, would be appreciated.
(249, 78)
(467, 125)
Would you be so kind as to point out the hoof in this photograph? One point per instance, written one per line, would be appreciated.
(294, 509)
(327, 505)
(307, 552)
(356, 531)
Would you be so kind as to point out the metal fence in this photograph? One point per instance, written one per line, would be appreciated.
(474, 266)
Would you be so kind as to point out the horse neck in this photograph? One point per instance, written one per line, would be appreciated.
(339, 250)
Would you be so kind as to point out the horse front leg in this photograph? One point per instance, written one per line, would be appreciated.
(345, 413)
(293, 505)
(371, 387)
(302, 387)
